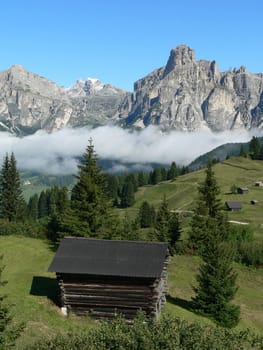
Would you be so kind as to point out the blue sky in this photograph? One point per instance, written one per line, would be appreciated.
(120, 41)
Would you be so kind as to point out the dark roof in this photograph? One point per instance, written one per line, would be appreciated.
(234, 205)
(109, 258)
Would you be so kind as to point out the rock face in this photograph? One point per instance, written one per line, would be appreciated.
(29, 102)
(184, 95)
(190, 95)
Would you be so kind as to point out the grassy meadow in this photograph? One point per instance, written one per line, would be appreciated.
(34, 292)
(181, 193)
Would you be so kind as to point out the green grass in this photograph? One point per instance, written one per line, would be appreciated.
(182, 272)
(181, 194)
(31, 290)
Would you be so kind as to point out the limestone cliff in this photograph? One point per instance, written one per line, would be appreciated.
(29, 102)
(190, 95)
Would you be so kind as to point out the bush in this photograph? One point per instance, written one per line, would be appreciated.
(27, 228)
(250, 253)
(168, 333)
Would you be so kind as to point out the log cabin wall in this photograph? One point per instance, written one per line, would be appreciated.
(104, 296)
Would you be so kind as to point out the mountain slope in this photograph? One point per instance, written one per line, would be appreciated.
(29, 102)
(190, 95)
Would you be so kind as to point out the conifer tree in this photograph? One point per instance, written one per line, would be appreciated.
(141, 179)
(242, 152)
(89, 200)
(172, 172)
(32, 207)
(161, 222)
(209, 192)
(146, 215)
(174, 230)
(216, 279)
(127, 194)
(42, 205)
(12, 204)
(254, 147)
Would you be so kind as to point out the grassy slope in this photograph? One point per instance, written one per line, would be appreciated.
(27, 259)
(181, 193)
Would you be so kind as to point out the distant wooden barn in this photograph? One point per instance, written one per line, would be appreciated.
(103, 277)
(259, 183)
(233, 206)
(242, 190)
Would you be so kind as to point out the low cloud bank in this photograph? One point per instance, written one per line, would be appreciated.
(57, 153)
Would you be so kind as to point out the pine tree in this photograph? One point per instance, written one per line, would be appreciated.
(216, 279)
(127, 194)
(209, 192)
(254, 147)
(172, 172)
(12, 204)
(146, 215)
(242, 152)
(42, 205)
(141, 179)
(161, 222)
(208, 206)
(89, 199)
(156, 176)
(32, 207)
(174, 230)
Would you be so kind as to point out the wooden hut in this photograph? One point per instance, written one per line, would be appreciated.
(233, 206)
(242, 190)
(103, 277)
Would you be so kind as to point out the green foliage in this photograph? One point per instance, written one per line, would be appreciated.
(172, 172)
(242, 152)
(89, 200)
(254, 148)
(233, 189)
(127, 194)
(168, 333)
(250, 253)
(216, 279)
(146, 215)
(209, 192)
(12, 204)
(26, 228)
(167, 225)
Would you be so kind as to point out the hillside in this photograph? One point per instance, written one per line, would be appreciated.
(182, 192)
(32, 290)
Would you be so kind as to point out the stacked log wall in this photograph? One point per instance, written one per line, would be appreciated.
(104, 296)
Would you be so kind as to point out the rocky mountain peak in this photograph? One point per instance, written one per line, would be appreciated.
(179, 56)
(91, 87)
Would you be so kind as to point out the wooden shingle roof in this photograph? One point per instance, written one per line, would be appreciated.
(109, 257)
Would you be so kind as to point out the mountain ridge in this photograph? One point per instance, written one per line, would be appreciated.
(185, 95)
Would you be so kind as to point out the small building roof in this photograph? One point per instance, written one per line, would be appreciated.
(233, 205)
(109, 257)
(243, 188)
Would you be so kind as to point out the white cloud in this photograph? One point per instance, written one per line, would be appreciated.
(56, 153)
